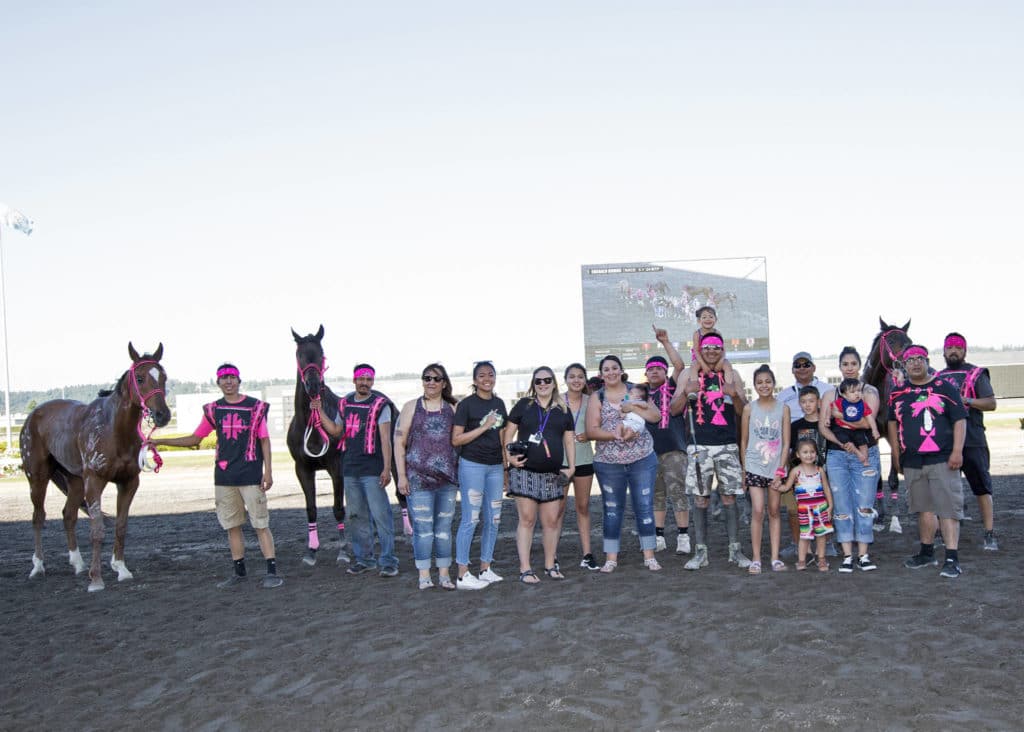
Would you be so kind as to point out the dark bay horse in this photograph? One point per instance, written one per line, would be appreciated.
(883, 369)
(82, 447)
(310, 446)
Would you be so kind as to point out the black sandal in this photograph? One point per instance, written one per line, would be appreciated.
(554, 573)
(529, 573)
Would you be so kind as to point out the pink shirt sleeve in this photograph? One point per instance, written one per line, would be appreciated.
(203, 429)
(262, 430)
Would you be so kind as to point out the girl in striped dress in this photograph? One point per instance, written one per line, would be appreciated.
(813, 503)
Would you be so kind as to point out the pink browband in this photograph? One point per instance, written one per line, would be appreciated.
(228, 371)
(956, 342)
(913, 351)
(363, 373)
(712, 340)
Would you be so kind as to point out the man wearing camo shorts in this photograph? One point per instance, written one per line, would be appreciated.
(714, 421)
(670, 447)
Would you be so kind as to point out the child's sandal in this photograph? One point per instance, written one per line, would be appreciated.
(822, 565)
(754, 568)
(801, 566)
(778, 565)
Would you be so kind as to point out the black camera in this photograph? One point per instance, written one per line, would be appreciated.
(519, 447)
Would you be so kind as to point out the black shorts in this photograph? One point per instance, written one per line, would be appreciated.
(582, 471)
(976, 470)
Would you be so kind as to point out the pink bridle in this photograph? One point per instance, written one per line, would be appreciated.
(143, 398)
(314, 422)
(884, 349)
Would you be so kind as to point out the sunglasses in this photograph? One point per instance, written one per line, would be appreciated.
(543, 380)
(802, 365)
(430, 378)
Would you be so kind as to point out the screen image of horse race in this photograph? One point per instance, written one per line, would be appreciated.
(622, 301)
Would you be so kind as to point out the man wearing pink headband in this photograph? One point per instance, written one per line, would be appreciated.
(976, 390)
(364, 425)
(928, 424)
(715, 450)
(242, 474)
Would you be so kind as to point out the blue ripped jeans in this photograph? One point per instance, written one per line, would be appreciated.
(480, 488)
(614, 479)
(853, 490)
(431, 513)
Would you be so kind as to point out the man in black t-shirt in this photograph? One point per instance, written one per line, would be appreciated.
(928, 423)
(976, 391)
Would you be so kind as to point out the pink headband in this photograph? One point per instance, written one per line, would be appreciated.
(227, 371)
(711, 340)
(913, 351)
(955, 341)
(363, 373)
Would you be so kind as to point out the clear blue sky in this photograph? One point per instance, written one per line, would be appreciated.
(425, 179)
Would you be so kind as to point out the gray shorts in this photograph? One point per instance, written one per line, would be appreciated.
(716, 461)
(935, 489)
(670, 481)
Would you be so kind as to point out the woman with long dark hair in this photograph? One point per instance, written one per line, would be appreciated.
(577, 393)
(624, 460)
(477, 430)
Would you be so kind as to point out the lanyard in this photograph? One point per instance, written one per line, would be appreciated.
(543, 417)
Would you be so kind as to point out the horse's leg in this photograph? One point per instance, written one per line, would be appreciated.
(307, 479)
(38, 477)
(74, 487)
(93, 493)
(339, 507)
(125, 495)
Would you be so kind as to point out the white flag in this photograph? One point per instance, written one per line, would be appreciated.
(15, 219)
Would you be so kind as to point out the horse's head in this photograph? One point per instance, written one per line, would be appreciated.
(309, 359)
(891, 342)
(146, 382)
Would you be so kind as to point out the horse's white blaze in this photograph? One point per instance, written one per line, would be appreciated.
(154, 372)
(75, 557)
(121, 569)
(37, 567)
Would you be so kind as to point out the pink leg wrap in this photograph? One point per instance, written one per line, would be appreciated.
(314, 537)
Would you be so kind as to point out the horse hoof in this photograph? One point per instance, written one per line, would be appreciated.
(75, 558)
(96, 586)
(38, 570)
(309, 559)
(122, 570)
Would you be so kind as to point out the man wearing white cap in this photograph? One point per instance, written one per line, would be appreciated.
(803, 371)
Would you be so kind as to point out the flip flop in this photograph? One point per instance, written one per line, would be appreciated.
(524, 577)
(778, 565)
(754, 568)
(554, 573)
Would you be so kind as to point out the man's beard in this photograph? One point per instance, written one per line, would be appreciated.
(954, 362)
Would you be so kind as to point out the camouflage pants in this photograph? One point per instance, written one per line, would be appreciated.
(671, 481)
(718, 461)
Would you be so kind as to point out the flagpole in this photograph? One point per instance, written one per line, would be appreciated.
(7, 360)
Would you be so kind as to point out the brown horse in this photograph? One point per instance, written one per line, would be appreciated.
(308, 442)
(883, 369)
(82, 447)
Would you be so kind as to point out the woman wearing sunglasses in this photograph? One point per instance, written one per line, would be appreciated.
(623, 459)
(478, 422)
(538, 437)
(428, 470)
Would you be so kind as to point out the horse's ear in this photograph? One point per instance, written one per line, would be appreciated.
(296, 336)
(159, 352)
(882, 323)
(320, 333)
(906, 326)
(132, 352)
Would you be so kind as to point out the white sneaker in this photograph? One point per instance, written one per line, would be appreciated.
(490, 576)
(659, 544)
(894, 526)
(469, 582)
(683, 544)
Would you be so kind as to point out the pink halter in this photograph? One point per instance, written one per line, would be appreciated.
(157, 460)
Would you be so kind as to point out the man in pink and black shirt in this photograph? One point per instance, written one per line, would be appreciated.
(242, 473)
(928, 423)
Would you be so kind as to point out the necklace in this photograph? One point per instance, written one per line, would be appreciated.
(440, 405)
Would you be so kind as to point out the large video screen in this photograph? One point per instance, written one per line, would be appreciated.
(622, 301)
